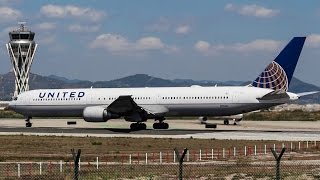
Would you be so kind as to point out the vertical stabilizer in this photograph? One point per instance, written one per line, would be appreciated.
(278, 74)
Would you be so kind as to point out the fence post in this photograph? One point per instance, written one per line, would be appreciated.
(245, 150)
(200, 155)
(76, 159)
(180, 158)
(188, 155)
(97, 162)
(278, 159)
(146, 158)
(160, 157)
(40, 168)
(212, 154)
(60, 166)
(234, 151)
(299, 146)
(18, 170)
(265, 149)
(223, 153)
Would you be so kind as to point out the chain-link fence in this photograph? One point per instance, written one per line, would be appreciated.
(244, 167)
(240, 169)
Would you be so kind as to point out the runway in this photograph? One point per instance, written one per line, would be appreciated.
(247, 130)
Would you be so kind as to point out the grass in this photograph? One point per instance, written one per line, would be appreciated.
(10, 114)
(40, 148)
(283, 116)
(54, 148)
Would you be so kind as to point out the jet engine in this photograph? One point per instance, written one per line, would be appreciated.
(98, 114)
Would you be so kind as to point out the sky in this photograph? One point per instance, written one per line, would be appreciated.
(201, 40)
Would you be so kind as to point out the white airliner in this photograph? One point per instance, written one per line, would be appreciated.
(137, 105)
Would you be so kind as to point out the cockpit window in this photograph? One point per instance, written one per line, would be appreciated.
(15, 98)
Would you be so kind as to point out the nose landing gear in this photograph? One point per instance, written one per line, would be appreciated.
(28, 123)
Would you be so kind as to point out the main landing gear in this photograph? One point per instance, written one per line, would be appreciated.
(160, 124)
(28, 123)
(138, 126)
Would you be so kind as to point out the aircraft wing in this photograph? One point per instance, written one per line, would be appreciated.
(276, 94)
(126, 105)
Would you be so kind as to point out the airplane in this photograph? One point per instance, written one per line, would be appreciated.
(137, 105)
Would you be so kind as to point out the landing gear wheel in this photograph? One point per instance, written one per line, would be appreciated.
(226, 122)
(28, 123)
(143, 126)
(156, 126)
(160, 126)
(138, 126)
(133, 126)
(234, 123)
(165, 126)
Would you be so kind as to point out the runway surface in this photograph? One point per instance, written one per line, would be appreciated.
(250, 130)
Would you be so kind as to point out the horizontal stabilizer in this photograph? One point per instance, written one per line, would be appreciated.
(307, 93)
(276, 94)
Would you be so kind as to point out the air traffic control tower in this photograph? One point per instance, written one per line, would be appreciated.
(21, 49)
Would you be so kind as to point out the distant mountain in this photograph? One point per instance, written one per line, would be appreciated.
(138, 80)
(298, 86)
(64, 79)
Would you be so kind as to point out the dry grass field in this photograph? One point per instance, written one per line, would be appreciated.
(45, 148)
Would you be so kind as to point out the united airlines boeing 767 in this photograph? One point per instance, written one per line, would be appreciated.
(137, 105)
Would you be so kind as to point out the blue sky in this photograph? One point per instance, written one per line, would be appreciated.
(201, 40)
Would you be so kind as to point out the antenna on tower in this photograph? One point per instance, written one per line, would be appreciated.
(22, 25)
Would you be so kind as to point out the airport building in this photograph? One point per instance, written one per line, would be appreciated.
(21, 49)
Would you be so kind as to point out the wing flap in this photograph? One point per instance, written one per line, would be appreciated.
(155, 109)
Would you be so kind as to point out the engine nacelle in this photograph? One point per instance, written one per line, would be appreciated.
(98, 114)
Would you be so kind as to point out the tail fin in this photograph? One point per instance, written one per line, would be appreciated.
(279, 72)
